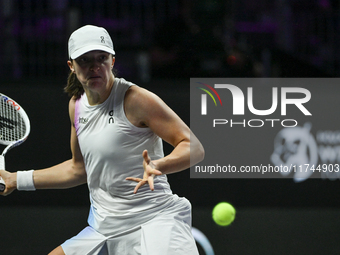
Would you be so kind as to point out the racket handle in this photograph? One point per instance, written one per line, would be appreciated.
(2, 162)
(2, 167)
(2, 185)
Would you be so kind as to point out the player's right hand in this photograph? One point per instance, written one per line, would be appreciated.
(149, 173)
(10, 180)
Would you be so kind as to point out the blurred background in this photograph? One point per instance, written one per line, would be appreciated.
(160, 45)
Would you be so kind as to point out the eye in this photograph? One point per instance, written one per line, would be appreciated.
(82, 60)
(103, 57)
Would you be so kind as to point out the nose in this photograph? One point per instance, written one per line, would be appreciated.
(94, 66)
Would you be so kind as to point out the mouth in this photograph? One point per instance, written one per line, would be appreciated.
(94, 77)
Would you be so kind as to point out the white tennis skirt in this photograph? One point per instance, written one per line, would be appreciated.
(169, 233)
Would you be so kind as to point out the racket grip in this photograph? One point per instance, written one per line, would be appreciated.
(2, 162)
(2, 167)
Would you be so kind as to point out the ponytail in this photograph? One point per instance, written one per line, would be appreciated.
(74, 87)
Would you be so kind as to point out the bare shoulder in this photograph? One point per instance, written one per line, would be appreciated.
(71, 108)
(72, 102)
(140, 104)
(136, 95)
(145, 109)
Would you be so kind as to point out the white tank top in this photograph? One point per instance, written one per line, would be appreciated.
(112, 150)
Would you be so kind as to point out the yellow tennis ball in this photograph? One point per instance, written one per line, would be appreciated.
(223, 214)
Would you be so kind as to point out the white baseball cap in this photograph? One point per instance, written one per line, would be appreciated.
(88, 38)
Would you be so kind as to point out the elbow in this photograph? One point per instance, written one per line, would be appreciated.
(197, 155)
(197, 150)
(201, 153)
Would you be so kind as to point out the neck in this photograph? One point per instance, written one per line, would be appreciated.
(99, 97)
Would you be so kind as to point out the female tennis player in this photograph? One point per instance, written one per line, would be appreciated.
(117, 129)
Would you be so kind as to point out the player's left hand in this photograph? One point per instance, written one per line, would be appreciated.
(149, 173)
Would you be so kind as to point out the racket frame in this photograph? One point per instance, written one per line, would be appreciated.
(12, 144)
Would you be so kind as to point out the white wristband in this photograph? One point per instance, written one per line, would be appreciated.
(25, 180)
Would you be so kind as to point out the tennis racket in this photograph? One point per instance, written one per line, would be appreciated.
(14, 128)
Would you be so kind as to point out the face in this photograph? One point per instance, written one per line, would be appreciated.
(94, 70)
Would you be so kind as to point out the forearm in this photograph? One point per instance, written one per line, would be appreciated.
(65, 175)
(61, 176)
(186, 154)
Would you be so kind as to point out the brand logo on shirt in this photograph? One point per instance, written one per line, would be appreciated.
(83, 120)
(111, 119)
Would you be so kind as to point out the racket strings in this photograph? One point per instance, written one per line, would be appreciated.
(12, 125)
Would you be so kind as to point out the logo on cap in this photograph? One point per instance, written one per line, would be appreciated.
(103, 40)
